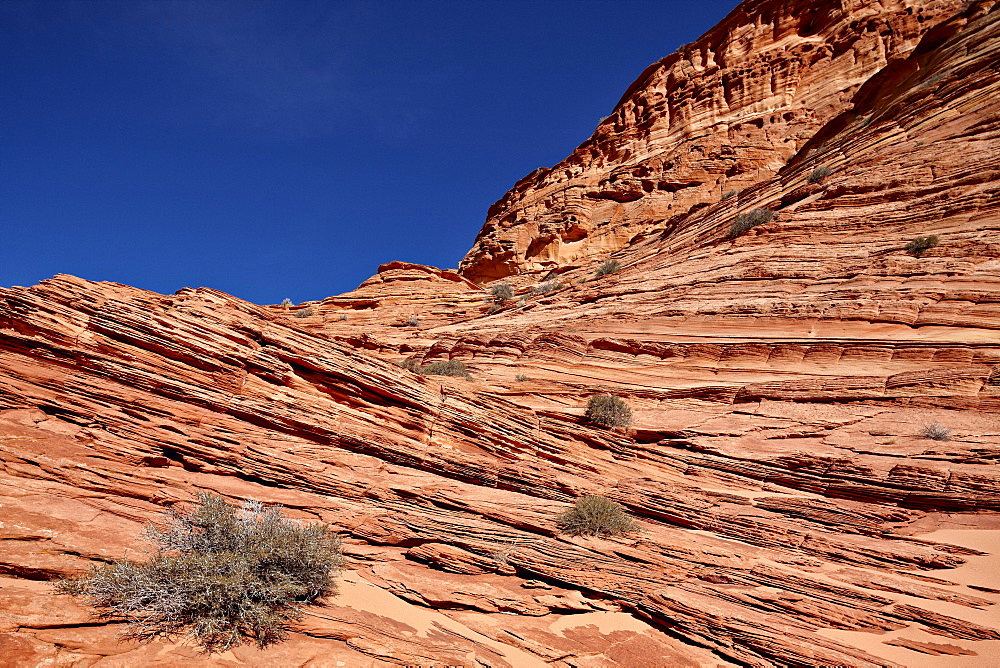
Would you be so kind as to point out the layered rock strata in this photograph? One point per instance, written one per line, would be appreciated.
(793, 512)
(719, 115)
(120, 402)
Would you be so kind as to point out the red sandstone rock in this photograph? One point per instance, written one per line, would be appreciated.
(779, 382)
(719, 115)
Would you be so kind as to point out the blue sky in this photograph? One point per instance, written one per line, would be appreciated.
(287, 148)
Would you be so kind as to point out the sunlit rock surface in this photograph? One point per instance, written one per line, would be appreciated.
(720, 115)
(792, 513)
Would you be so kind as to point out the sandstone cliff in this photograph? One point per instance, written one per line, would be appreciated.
(721, 114)
(793, 514)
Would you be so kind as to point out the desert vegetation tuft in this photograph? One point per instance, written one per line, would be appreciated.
(609, 267)
(220, 576)
(596, 516)
(752, 218)
(608, 410)
(920, 245)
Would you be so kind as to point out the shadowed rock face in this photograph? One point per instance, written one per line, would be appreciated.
(721, 114)
(779, 382)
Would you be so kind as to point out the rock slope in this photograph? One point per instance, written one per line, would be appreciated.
(720, 114)
(792, 512)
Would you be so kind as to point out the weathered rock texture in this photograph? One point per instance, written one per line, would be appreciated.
(721, 114)
(779, 379)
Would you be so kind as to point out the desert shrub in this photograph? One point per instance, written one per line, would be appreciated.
(608, 410)
(445, 368)
(304, 313)
(495, 308)
(596, 516)
(729, 193)
(521, 378)
(410, 364)
(221, 576)
(819, 174)
(286, 302)
(936, 432)
(343, 317)
(917, 247)
(414, 321)
(502, 291)
(609, 267)
(547, 287)
(752, 218)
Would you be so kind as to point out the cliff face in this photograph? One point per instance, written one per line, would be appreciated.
(792, 512)
(721, 114)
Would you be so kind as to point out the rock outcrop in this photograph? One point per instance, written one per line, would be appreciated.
(794, 513)
(719, 115)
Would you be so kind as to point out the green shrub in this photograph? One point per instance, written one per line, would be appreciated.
(220, 576)
(608, 410)
(502, 291)
(819, 174)
(752, 218)
(596, 516)
(917, 247)
(304, 313)
(936, 432)
(609, 267)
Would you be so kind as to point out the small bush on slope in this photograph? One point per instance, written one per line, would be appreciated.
(596, 516)
(819, 174)
(410, 364)
(439, 368)
(917, 247)
(220, 576)
(752, 218)
(502, 292)
(936, 432)
(609, 267)
(547, 287)
(445, 368)
(609, 411)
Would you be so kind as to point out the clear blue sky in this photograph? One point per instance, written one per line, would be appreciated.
(287, 148)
